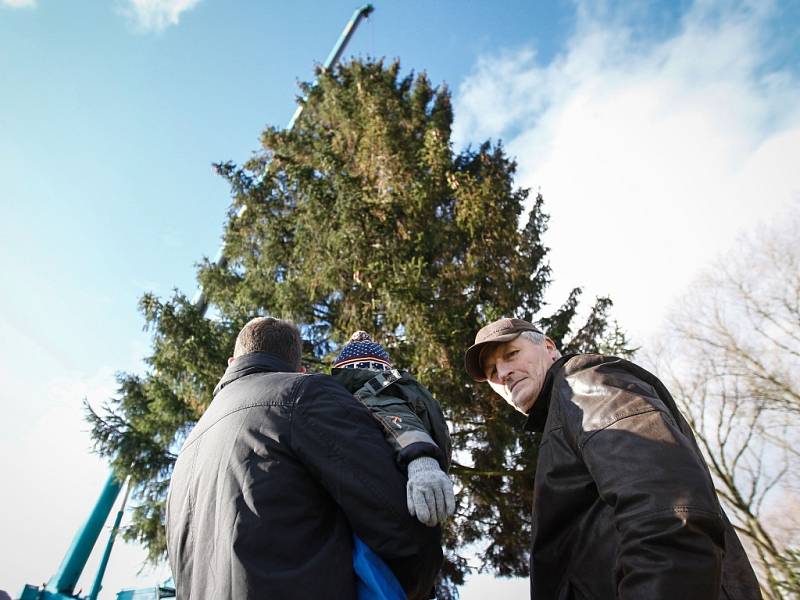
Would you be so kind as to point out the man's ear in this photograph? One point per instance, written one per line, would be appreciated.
(302, 369)
(551, 347)
(230, 360)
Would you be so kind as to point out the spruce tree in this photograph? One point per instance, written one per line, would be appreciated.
(364, 217)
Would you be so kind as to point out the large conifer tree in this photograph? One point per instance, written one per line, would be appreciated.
(363, 217)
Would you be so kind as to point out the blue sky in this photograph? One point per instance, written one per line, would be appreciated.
(657, 132)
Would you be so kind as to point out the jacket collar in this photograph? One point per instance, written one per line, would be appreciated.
(254, 362)
(538, 415)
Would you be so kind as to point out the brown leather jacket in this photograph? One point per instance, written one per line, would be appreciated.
(624, 505)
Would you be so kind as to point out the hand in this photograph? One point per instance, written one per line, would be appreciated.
(429, 492)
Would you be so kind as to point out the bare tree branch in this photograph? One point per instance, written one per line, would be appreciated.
(733, 362)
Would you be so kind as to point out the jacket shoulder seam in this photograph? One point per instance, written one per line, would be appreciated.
(616, 419)
(295, 395)
(229, 413)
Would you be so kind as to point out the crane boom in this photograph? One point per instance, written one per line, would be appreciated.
(200, 300)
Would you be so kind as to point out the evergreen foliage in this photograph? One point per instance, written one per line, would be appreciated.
(363, 217)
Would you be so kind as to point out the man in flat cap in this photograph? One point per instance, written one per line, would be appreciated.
(623, 502)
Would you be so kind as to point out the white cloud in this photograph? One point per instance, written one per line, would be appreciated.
(19, 3)
(157, 15)
(651, 156)
(53, 482)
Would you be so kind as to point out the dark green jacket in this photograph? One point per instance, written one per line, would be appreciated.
(410, 417)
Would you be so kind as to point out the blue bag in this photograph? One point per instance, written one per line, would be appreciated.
(375, 580)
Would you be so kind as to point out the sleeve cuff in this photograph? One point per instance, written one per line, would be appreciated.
(418, 449)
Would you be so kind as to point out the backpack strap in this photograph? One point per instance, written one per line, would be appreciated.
(378, 383)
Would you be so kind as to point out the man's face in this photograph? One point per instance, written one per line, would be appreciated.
(516, 370)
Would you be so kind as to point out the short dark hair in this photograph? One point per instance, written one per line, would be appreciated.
(277, 337)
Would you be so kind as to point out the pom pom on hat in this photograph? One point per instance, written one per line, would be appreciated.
(362, 352)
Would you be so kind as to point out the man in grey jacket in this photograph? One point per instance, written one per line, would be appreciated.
(278, 475)
(624, 505)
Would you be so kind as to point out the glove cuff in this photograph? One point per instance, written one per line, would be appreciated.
(423, 464)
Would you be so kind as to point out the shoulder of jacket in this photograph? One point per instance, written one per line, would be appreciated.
(592, 370)
(581, 362)
(414, 388)
(290, 379)
(600, 369)
(606, 368)
(312, 377)
(408, 379)
(313, 380)
(598, 390)
(315, 383)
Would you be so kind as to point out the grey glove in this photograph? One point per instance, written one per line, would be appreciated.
(429, 492)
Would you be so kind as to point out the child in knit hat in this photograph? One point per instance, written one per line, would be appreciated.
(412, 422)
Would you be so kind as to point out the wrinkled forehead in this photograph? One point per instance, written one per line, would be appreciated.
(490, 352)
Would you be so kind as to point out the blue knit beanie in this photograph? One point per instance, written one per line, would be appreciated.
(362, 352)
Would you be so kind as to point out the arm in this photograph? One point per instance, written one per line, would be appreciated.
(429, 413)
(403, 429)
(650, 473)
(401, 412)
(338, 441)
